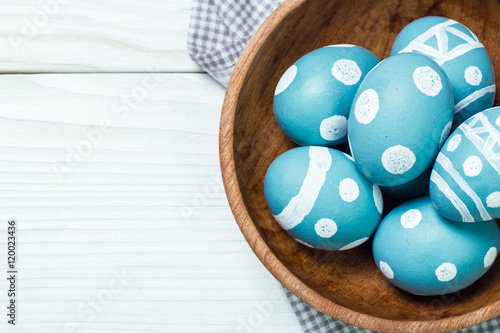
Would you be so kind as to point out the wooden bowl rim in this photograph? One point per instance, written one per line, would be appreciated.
(259, 246)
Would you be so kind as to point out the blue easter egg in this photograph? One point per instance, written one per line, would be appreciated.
(461, 55)
(313, 97)
(400, 115)
(465, 180)
(424, 253)
(319, 197)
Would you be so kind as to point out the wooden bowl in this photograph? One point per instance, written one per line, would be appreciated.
(345, 285)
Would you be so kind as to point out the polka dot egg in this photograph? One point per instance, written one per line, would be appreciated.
(319, 197)
(399, 118)
(465, 180)
(461, 55)
(424, 253)
(313, 97)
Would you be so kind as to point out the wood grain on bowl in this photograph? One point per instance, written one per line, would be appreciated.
(345, 285)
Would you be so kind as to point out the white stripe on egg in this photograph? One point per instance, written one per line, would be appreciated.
(473, 97)
(452, 196)
(302, 204)
(448, 167)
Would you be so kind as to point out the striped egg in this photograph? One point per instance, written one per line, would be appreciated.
(401, 114)
(319, 197)
(313, 97)
(465, 180)
(424, 253)
(461, 55)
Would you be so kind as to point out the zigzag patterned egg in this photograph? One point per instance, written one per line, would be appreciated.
(319, 197)
(424, 253)
(401, 114)
(461, 55)
(465, 180)
(313, 97)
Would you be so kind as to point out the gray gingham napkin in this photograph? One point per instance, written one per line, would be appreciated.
(218, 33)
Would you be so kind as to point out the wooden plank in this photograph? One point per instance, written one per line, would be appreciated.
(95, 36)
(123, 224)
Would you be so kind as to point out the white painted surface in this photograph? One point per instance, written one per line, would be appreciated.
(123, 224)
(94, 36)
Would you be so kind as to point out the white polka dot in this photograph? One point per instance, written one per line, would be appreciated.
(286, 79)
(398, 159)
(349, 157)
(427, 80)
(446, 272)
(333, 128)
(498, 121)
(490, 257)
(348, 190)
(454, 142)
(493, 200)
(472, 166)
(377, 196)
(366, 106)
(386, 270)
(304, 243)
(325, 228)
(346, 71)
(354, 244)
(473, 75)
(411, 218)
(445, 133)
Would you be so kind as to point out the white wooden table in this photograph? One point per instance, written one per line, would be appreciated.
(109, 166)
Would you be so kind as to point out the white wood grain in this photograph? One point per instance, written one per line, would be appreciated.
(136, 235)
(94, 36)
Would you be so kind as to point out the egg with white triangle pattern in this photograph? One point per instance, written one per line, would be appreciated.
(400, 115)
(318, 197)
(313, 97)
(465, 180)
(424, 253)
(461, 55)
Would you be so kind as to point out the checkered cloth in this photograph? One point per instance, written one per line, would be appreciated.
(218, 33)
(313, 321)
(220, 29)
